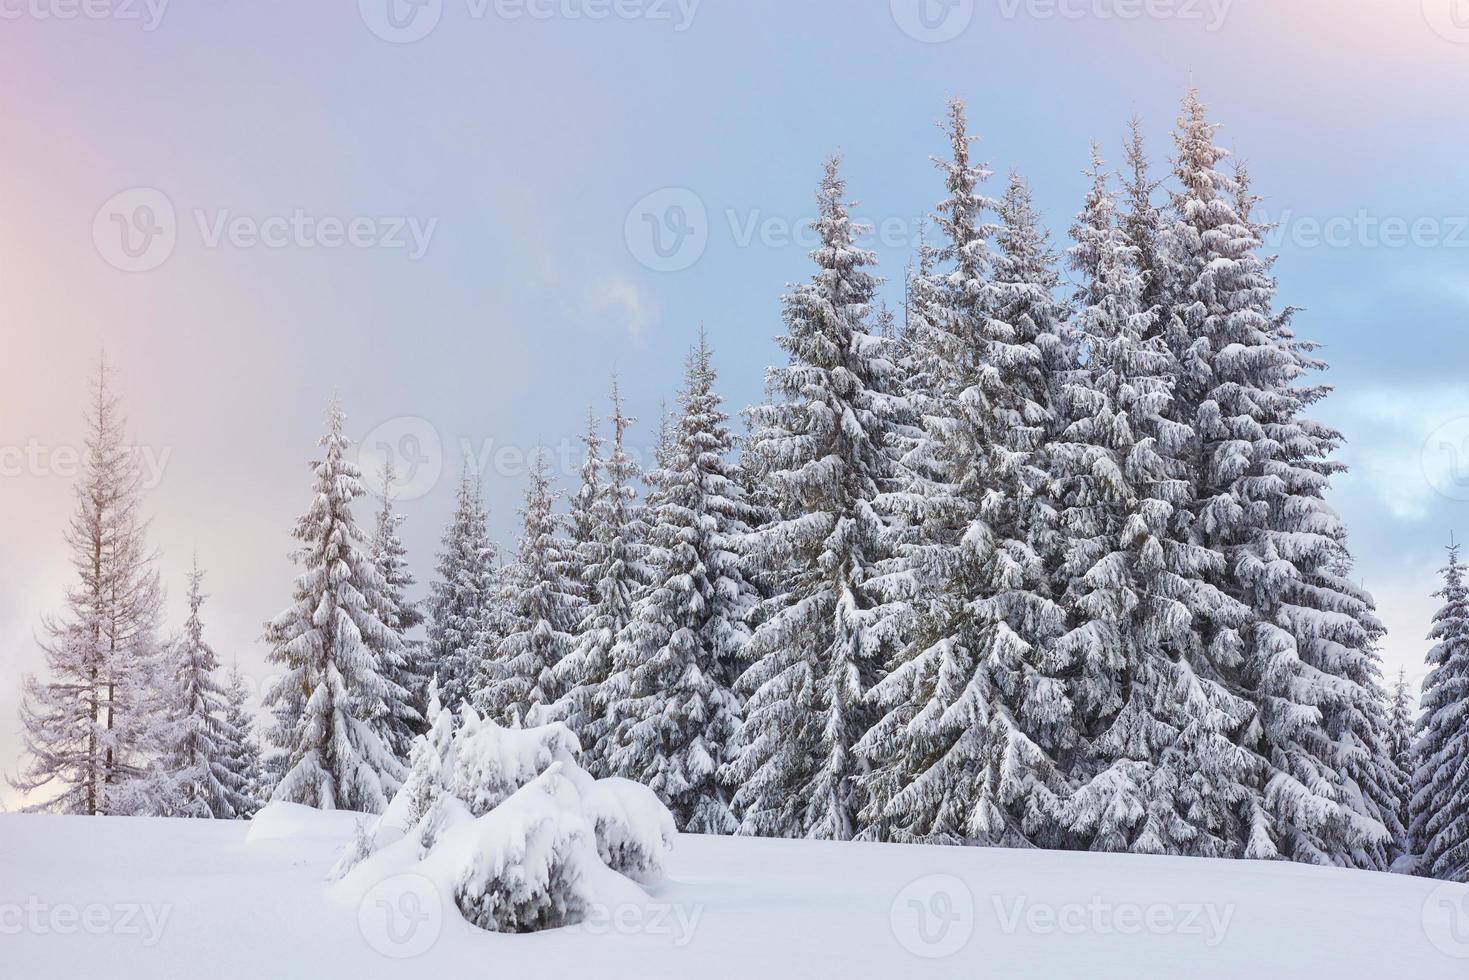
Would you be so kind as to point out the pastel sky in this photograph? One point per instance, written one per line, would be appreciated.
(529, 144)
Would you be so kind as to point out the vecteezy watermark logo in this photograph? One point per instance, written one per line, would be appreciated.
(401, 917)
(401, 21)
(676, 923)
(1445, 459)
(411, 447)
(933, 21)
(1446, 919)
(38, 918)
(148, 12)
(667, 230)
(1448, 18)
(1099, 917)
(933, 917)
(405, 21)
(135, 230)
(37, 459)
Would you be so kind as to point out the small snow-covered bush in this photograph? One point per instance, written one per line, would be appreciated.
(490, 763)
(634, 829)
(530, 860)
(507, 821)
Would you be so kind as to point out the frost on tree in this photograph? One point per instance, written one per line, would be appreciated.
(196, 775)
(1149, 731)
(973, 714)
(401, 668)
(672, 707)
(507, 823)
(331, 706)
(1322, 786)
(241, 749)
(821, 447)
(1440, 804)
(613, 553)
(89, 723)
(463, 626)
(516, 681)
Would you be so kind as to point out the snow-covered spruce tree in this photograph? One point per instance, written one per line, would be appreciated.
(1440, 805)
(241, 750)
(615, 573)
(1402, 733)
(586, 545)
(973, 713)
(193, 772)
(89, 725)
(462, 627)
(673, 710)
(1323, 781)
(517, 679)
(331, 706)
(1146, 231)
(820, 447)
(1153, 737)
(403, 667)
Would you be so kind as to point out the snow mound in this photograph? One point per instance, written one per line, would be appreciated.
(506, 824)
(292, 821)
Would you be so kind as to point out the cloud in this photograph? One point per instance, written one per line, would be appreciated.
(1409, 446)
(615, 297)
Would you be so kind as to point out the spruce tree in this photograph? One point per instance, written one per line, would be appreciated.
(1401, 727)
(615, 573)
(973, 713)
(89, 725)
(331, 706)
(672, 707)
(195, 766)
(821, 447)
(1306, 658)
(516, 684)
(1152, 734)
(462, 627)
(403, 667)
(241, 749)
(1440, 804)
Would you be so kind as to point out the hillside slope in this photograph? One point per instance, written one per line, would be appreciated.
(140, 898)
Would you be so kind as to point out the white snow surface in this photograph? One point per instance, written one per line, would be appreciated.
(133, 898)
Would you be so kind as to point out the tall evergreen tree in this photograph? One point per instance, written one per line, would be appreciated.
(517, 684)
(615, 573)
(1440, 805)
(1151, 733)
(973, 714)
(195, 776)
(821, 447)
(331, 706)
(402, 668)
(672, 708)
(1306, 657)
(1402, 727)
(462, 627)
(1146, 230)
(241, 748)
(89, 724)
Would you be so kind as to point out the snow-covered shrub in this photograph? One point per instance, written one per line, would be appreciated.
(507, 822)
(364, 842)
(634, 829)
(531, 860)
(491, 763)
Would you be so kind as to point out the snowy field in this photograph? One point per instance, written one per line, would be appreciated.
(149, 898)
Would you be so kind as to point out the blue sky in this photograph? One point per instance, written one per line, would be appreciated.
(299, 152)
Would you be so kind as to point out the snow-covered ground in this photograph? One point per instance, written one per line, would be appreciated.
(135, 898)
